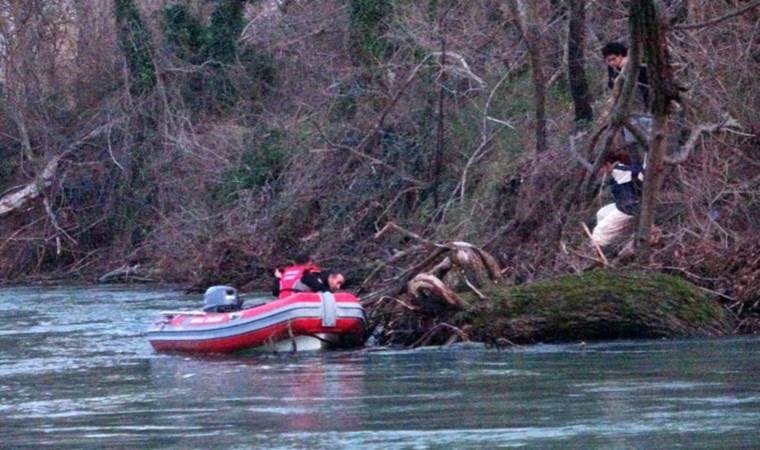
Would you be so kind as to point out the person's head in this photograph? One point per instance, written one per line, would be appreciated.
(302, 258)
(615, 55)
(335, 281)
(615, 157)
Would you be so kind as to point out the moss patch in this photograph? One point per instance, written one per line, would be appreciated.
(600, 304)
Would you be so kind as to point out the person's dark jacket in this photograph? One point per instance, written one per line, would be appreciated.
(642, 82)
(627, 194)
(276, 287)
(309, 282)
(316, 281)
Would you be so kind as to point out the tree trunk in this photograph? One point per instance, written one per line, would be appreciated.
(576, 74)
(648, 26)
(438, 161)
(367, 29)
(527, 19)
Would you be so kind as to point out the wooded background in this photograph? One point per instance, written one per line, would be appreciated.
(208, 141)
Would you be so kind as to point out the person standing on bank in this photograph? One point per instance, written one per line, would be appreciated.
(625, 185)
(615, 56)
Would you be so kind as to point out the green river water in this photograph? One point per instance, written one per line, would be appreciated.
(77, 372)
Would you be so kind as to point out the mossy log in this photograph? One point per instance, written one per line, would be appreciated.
(597, 305)
(458, 294)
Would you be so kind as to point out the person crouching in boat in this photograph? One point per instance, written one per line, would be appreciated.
(287, 278)
(320, 282)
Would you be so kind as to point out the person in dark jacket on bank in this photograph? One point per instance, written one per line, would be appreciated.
(615, 56)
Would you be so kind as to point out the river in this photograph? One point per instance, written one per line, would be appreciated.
(76, 371)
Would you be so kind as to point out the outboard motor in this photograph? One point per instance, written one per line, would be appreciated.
(221, 299)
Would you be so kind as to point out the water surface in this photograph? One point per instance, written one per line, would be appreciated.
(76, 371)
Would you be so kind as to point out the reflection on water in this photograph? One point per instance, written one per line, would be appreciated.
(76, 371)
(287, 392)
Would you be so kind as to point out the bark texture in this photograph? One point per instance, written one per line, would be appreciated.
(576, 73)
(648, 31)
(526, 14)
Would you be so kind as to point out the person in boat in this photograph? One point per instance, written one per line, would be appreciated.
(625, 185)
(286, 279)
(321, 282)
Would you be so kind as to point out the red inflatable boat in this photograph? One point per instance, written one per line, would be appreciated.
(303, 321)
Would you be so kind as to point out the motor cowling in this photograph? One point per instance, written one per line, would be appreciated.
(221, 299)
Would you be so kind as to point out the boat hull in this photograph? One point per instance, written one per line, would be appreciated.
(285, 323)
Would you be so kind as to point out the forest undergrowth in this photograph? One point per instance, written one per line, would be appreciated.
(209, 142)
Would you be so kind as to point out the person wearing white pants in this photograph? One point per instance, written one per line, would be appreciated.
(612, 219)
(610, 222)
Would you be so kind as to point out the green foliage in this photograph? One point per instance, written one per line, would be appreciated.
(226, 25)
(221, 49)
(215, 88)
(7, 167)
(261, 72)
(345, 106)
(367, 28)
(261, 163)
(185, 34)
(137, 44)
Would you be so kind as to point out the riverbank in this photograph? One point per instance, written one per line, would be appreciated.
(595, 305)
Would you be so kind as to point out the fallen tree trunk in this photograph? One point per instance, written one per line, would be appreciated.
(598, 305)
(32, 190)
(457, 293)
(128, 274)
(17, 199)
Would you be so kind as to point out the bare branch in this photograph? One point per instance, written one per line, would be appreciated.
(32, 190)
(596, 246)
(640, 136)
(404, 231)
(574, 151)
(708, 23)
(462, 69)
(694, 136)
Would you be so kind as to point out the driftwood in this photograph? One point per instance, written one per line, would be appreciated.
(429, 285)
(447, 266)
(430, 290)
(455, 292)
(454, 264)
(128, 274)
(16, 200)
